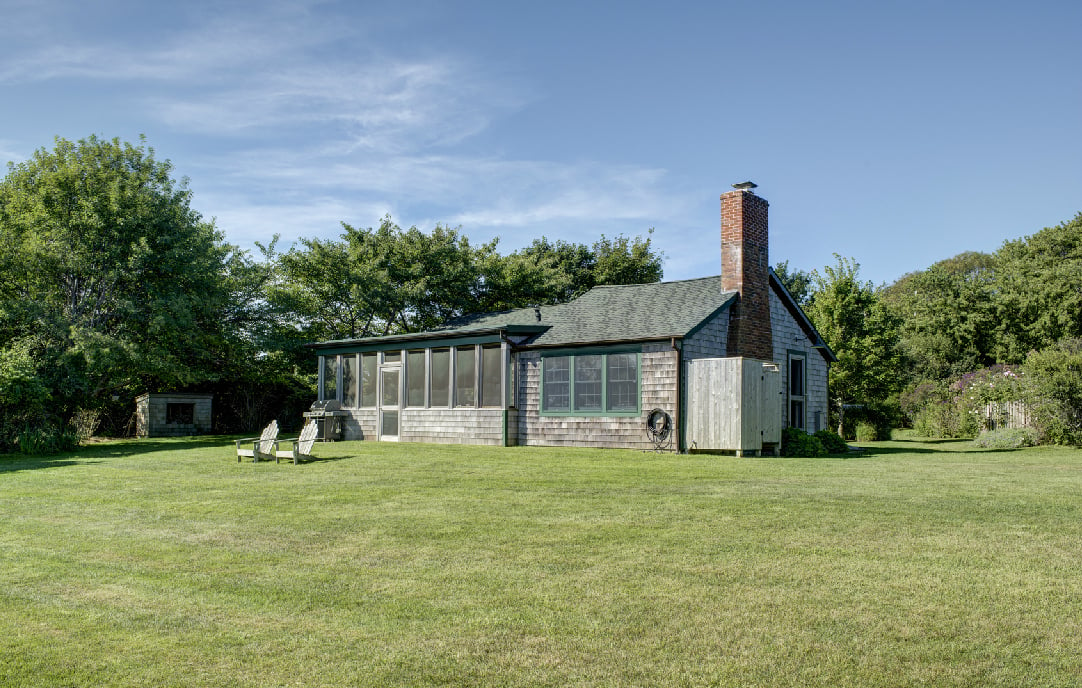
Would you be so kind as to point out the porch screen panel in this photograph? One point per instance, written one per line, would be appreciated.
(587, 383)
(440, 378)
(557, 384)
(330, 377)
(368, 380)
(491, 365)
(466, 376)
(349, 381)
(622, 385)
(415, 378)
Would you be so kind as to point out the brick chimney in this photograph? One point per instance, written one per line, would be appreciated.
(745, 268)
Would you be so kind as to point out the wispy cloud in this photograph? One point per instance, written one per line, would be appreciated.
(294, 122)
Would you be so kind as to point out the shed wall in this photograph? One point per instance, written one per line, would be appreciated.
(151, 415)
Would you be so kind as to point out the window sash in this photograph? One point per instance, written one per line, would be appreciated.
(622, 393)
(587, 385)
(557, 383)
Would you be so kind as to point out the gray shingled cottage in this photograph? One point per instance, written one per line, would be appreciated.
(729, 359)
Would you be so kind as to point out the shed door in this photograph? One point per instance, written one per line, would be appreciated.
(389, 404)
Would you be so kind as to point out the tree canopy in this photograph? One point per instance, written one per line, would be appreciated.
(107, 265)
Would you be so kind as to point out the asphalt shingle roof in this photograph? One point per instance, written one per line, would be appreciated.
(614, 313)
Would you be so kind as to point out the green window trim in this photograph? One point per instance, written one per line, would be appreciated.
(604, 410)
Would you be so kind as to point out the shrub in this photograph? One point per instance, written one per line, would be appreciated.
(46, 440)
(1054, 384)
(796, 442)
(1012, 438)
(832, 442)
(866, 432)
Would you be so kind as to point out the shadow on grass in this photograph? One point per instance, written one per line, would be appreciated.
(20, 462)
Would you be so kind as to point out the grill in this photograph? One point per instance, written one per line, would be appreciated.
(328, 417)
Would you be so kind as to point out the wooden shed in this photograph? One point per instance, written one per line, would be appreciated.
(733, 404)
(173, 415)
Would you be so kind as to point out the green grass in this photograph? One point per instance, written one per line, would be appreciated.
(167, 563)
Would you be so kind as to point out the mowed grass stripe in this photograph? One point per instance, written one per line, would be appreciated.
(166, 562)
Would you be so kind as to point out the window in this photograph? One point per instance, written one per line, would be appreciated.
(392, 356)
(415, 378)
(590, 384)
(796, 390)
(440, 384)
(491, 373)
(623, 382)
(556, 383)
(180, 414)
(349, 381)
(466, 376)
(330, 378)
(368, 380)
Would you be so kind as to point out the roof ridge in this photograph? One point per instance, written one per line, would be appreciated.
(650, 284)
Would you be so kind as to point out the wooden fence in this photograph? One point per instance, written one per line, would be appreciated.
(1006, 414)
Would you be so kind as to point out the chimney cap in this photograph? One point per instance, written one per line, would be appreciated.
(745, 186)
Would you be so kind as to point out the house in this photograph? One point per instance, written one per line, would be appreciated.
(728, 360)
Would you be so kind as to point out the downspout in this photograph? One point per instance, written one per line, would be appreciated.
(679, 395)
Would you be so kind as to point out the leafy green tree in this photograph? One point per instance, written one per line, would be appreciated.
(863, 334)
(568, 270)
(1053, 377)
(797, 282)
(947, 316)
(387, 280)
(1038, 286)
(102, 257)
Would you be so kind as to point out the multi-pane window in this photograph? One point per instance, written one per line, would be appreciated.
(415, 378)
(556, 383)
(440, 383)
(466, 376)
(590, 383)
(491, 366)
(623, 382)
(368, 380)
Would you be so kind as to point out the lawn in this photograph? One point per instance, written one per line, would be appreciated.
(167, 563)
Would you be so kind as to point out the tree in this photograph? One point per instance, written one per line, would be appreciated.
(1038, 285)
(387, 280)
(798, 283)
(851, 318)
(947, 316)
(103, 259)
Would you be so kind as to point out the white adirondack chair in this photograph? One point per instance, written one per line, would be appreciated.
(261, 447)
(302, 446)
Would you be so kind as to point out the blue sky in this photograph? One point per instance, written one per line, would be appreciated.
(894, 133)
